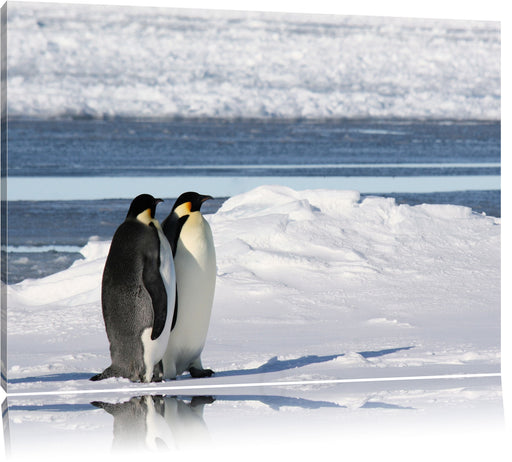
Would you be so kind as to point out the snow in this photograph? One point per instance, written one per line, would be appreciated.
(106, 61)
(301, 275)
(326, 308)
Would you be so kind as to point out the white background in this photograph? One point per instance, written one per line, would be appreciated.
(496, 10)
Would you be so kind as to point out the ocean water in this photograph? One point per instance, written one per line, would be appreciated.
(252, 147)
(51, 218)
(107, 102)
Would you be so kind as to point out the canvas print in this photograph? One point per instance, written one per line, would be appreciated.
(214, 217)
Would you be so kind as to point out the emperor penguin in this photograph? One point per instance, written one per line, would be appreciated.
(139, 424)
(138, 294)
(158, 423)
(191, 240)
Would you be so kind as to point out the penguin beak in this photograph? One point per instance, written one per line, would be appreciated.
(205, 198)
(157, 201)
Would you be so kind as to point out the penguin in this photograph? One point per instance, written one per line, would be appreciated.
(139, 424)
(138, 294)
(184, 416)
(158, 423)
(191, 240)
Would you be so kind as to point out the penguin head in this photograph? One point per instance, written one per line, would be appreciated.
(143, 208)
(189, 202)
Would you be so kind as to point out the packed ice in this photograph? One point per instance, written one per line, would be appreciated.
(104, 61)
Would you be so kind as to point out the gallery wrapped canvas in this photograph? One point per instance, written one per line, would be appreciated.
(352, 232)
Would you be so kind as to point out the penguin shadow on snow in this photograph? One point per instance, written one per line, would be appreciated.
(64, 377)
(276, 365)
(272, 365)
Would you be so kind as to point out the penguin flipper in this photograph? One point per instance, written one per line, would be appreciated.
(159, 303)
(155, 286)
(171, 227)
(175, 315)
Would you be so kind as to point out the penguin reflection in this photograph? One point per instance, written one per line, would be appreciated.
(158, 423)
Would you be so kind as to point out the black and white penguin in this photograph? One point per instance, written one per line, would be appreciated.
(138, 294)
(191, 240)
(139, 424)
(158, 423)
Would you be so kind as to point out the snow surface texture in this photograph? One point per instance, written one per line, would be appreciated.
(311, 285)
(104, 61)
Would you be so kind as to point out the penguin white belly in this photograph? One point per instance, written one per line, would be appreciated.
(195, 265)
(155, 349)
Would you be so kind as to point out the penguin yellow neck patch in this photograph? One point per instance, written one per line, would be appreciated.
(145, 217)
(183, 209)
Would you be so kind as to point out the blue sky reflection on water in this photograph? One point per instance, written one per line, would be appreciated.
(93, 188)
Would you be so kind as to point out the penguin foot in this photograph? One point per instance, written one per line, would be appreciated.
(107, 373)
(197, 373)
(158, 372)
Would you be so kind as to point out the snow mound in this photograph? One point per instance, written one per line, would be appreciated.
(95, 248)
(280, 230)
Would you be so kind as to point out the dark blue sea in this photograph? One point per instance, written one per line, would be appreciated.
(46, 229)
